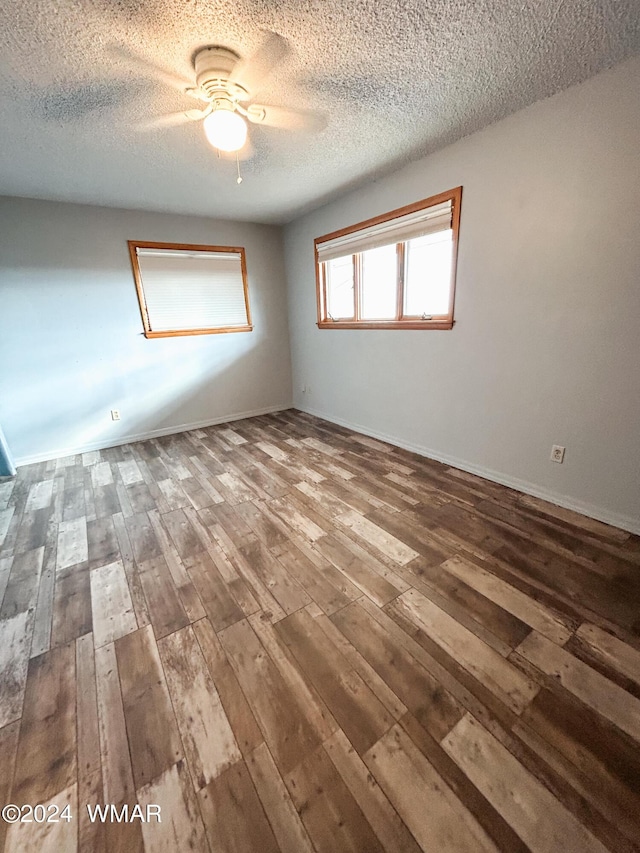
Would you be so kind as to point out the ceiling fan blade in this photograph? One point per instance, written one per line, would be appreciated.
(286, 118)
(252, 71)
(151, 69)
(172, 120)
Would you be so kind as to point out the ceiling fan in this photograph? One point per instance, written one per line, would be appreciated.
(227, 85)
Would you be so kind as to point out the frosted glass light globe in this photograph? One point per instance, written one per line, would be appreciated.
(225, 130)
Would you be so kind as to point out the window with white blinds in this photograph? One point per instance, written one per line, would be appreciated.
(393, 271)
(189, 290)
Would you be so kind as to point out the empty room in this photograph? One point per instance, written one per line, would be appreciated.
(320, 426)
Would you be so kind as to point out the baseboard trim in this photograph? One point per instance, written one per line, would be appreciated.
(625, 522)
(154, 433)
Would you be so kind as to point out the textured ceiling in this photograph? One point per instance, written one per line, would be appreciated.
(395, 81)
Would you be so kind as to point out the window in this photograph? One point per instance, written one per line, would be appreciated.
(395, 271)
(190, 290)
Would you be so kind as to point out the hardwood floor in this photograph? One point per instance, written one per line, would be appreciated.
(291, 637)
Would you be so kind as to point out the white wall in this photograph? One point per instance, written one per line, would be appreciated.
(546, 346)
(71, 343)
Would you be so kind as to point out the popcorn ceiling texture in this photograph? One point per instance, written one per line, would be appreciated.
(395, 80)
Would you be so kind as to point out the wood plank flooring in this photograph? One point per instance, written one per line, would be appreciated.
(290, 637)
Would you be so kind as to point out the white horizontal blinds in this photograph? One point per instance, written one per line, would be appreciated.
(428, 220)
(192, 290)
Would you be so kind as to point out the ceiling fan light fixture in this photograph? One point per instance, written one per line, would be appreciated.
(225, 130)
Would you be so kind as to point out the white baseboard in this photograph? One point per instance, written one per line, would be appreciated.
(625, 522)
(55, 453)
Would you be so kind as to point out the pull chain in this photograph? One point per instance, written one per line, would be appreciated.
(239, 178)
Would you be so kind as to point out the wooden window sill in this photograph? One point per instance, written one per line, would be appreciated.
(386, 324)
(174, 334)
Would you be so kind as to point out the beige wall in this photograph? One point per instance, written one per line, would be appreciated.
(72, 349)
(546, 346)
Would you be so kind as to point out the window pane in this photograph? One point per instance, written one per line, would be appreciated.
(428, 274)
(379, 283)
(340, 302)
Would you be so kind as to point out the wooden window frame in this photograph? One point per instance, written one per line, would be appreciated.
(186, 247)
(401, 321)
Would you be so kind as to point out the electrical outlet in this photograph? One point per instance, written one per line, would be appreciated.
(557, 453)
(115, 414)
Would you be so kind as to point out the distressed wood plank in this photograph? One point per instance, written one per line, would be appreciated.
(596, 691)
(72, 543)
(539, 819)
(21, 592)
(382, 817)
(233, 815)
(315, 709)
(437, 819)
(133, 576)
(276, 708)
(88, 732)
(287, 827)
(6, 516)
(101, 474)
(111, 604)
(594, 757)
(15, 643)
(46, 760)
(355, 707)
(218, 602)
(209, 743)
(152, 731)
(379, 538)
(165, 607)
(117, 777)
(611, 651)
(284, 588)
(48, 837)
(72, 612)
(523, 606)
(432, 705)
(40, 495)
(489, 667)
(180, 826)
(243, 723)
(329, 811)
(325, 588)
(129, 472)
(102, 542)
(8, 749)
(359, 663)
(356, 570)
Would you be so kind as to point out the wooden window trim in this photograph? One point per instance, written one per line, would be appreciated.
(186, 247)
(401, 321)
(357, 286)
(400, 273)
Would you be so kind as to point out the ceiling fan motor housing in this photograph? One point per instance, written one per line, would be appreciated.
(213, 66)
